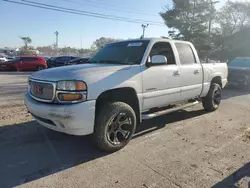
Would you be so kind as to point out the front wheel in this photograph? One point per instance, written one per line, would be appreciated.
(212, 101)
(114, 127)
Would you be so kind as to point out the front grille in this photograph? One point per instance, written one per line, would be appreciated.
(42, 91)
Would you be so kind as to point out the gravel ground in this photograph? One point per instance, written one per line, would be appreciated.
(189, 148)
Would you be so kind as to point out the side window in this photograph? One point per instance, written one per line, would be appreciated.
(185, 53)
(33, 59)
(25, 59)
(163, 48)
(61, 59)
(28, 59)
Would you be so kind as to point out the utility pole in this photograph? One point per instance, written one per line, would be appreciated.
(143, 30)
(81, 42)
(211, 17)
(56, 33)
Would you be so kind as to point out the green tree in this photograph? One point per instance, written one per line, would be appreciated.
(188, 20)
(231, 29)
(26, 41)
(101, 42)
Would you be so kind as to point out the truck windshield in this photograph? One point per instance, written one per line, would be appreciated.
(129, 52)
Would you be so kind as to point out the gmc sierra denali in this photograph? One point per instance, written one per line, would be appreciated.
(123, 84)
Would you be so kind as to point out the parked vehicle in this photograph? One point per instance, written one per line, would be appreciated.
(77, 61)
(10, 58)
(3, 59)
(124, 83)
(59, 61)
(46, 58)
(239, 72)
(32, 63)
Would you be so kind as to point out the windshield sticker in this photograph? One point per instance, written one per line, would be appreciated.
(134, 44)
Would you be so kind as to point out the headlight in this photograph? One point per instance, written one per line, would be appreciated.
(71, 91)
(71, 86)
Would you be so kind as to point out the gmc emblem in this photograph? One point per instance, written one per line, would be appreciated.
(38, 90)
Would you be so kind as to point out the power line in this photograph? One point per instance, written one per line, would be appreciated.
(109, 7)
(90, 13)
(71, 12)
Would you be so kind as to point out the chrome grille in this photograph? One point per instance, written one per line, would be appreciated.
(41, 90)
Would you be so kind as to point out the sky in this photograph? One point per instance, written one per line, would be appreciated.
(77, 30)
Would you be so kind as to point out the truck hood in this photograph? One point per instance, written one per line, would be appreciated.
(76, 71)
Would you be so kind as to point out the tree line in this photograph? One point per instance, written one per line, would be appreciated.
(220, 34)
(52, 50)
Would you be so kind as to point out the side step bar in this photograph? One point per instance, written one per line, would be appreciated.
(167, 111)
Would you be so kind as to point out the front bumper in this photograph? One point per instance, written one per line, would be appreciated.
(74, 119)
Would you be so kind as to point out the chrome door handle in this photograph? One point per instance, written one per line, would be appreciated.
(176, 73)
(196, 72)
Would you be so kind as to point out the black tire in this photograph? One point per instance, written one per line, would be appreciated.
(40, 67)
(212, 101)
(108, 122)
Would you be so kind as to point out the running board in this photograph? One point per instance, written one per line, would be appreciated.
(163, 112)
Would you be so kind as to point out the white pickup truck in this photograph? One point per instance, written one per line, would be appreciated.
(124, 83)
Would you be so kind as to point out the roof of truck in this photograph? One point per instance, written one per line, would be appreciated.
(155, 39)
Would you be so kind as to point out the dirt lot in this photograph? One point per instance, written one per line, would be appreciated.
(185, 149)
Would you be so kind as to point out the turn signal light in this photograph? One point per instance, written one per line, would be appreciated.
(80, 86)
(69, 97)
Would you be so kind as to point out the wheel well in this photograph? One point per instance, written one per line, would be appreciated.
(217, 80)
(126, 95)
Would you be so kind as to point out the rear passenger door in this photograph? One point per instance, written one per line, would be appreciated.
(191, 71)
(34, 63)
(29, 63)
(24, 64)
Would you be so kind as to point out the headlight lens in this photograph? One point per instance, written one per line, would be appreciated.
(71, 91)
(71, 86)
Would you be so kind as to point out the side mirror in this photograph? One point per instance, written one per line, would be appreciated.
(159, 60)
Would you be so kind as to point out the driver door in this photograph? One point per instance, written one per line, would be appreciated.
(161, 82)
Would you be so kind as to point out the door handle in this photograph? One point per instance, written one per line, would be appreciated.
(196, 72)
(176, 73)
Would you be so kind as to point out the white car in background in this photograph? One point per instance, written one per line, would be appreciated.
(3, 59)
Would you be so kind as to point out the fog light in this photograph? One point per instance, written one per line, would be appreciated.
(69, 97)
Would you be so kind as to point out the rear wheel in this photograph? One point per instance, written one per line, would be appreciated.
(212, 101)
(115, 126)
(39, 68)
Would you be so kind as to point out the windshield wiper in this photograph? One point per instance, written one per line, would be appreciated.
(110, 62)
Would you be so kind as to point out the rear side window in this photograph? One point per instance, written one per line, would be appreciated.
(185, 53)
(29, 59)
